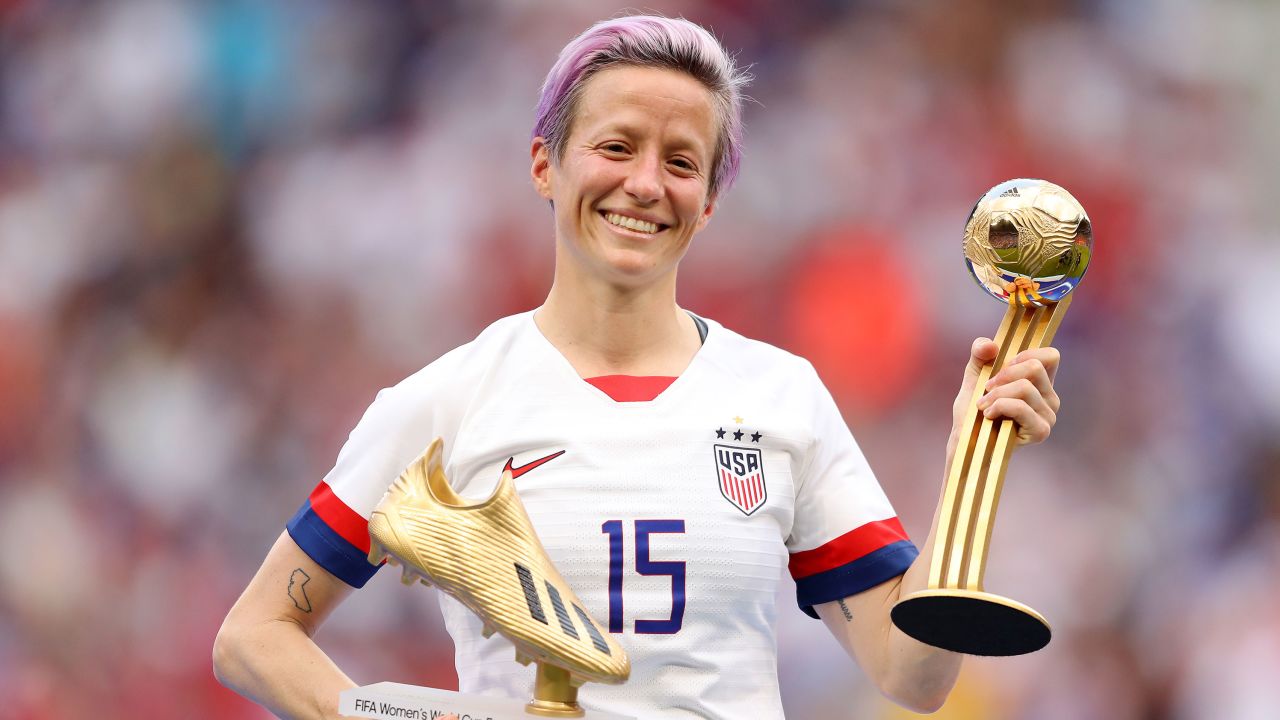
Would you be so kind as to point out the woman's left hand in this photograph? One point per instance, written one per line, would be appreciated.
(1022, 391)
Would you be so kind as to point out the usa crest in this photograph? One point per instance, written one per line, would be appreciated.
(740, 472)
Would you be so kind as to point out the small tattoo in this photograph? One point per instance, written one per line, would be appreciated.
(298, 590)
(848, 616)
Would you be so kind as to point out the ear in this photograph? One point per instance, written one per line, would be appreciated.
(707, 212)
(540, 170)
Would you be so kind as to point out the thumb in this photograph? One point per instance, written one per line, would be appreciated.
(982, 353)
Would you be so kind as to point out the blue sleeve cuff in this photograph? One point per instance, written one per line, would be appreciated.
(329, 549)
(853, 577)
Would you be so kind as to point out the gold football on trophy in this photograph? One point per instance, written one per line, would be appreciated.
(1028, 242)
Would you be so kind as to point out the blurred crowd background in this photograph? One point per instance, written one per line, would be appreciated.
(224, 225)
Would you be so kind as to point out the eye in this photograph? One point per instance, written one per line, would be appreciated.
(683, 164)
(614, 147)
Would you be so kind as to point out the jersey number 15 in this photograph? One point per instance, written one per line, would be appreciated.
(644, 566)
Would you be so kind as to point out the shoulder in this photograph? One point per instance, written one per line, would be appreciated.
(756, 360)
(450, 372)
(445, 387)
(404, 418)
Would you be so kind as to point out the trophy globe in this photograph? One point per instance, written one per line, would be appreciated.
(1028, 242)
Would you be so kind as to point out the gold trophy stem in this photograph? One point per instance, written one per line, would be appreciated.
(954, 612)
(554, 694)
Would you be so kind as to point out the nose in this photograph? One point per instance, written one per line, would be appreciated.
(644, 180)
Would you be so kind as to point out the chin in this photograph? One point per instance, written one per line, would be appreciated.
(633, 280)
(627, 264)
(630, 270)
(627, 267)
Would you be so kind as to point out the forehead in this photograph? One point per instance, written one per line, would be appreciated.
(657, 101)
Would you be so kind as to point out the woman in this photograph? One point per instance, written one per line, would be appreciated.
(696, 463)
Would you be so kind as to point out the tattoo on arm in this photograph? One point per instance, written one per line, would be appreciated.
(848, 616)
(298, 590)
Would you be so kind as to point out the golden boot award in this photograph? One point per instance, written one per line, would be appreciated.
(1027, 243)
(487, 556)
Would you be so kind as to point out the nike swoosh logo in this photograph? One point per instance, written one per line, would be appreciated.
(518, 471)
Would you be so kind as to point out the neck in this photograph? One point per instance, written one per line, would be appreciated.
(604, 329)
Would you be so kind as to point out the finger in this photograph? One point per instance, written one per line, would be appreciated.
(982, 353)
(1031, 369)
(1031, 426)
(1048, 356)
(1021, 390)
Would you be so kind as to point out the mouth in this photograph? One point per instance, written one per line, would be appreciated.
(632, 225)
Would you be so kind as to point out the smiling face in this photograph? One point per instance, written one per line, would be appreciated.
(632, 187)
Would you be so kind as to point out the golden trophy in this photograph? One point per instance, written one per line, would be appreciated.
(1027, 243)
(487, 556)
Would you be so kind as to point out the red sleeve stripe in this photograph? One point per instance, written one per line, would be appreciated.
(848, 547)
(341, 519)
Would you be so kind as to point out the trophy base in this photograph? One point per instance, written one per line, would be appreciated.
(971, 622)
(551, 708)
(554, 694)
(397, 701)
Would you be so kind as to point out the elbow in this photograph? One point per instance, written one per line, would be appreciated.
(918, 702)
(924, 695)
(226, 656)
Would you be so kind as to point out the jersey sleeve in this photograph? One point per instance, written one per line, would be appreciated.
(845, 537)
(332, 525)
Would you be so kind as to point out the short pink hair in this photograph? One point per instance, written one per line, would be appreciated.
(647, 41)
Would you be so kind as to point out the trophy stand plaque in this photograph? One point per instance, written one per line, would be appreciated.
(554, 696)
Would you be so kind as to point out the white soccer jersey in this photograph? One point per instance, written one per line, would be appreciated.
(672, 519)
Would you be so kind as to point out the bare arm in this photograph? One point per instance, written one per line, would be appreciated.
(913, 674)
(917, 676)
(264, 649)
